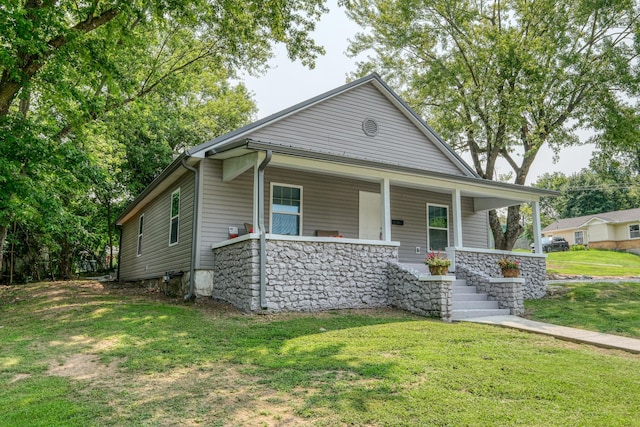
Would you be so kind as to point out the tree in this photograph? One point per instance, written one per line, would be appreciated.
(500, 79)
(64, 65)
(588, 192)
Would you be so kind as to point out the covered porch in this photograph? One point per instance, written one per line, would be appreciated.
(341, 209)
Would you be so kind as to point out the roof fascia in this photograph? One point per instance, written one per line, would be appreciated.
(318, 155)
(149, 192)
(214, 145)
(424, 127)
(217, 144)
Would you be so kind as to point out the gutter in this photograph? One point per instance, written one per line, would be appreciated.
(263, 242)
(194, 235)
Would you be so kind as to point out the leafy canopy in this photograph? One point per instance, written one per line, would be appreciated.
(500, 79)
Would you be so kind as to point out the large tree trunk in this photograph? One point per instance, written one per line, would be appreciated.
(505, 240)
(3, 237)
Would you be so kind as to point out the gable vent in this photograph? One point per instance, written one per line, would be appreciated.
(370, 127)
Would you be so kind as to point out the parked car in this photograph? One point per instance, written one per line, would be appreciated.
(552, 244)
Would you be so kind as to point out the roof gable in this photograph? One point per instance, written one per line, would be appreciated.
(334, 123)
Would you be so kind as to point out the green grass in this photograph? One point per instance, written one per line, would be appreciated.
(605, 307)
(596, 263)
(159, 363)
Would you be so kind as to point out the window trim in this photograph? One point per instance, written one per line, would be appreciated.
(436, 228)
(629, 230)
(575, 239)
(140, 235)
(271, 211)
(172, 217)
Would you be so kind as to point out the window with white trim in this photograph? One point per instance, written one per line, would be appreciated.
(174, 221)
(634, 231)
(140, 230)
(437, 227)
(578, 237)
(286, 209)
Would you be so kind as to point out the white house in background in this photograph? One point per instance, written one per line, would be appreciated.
(307, 208)
(617, 230)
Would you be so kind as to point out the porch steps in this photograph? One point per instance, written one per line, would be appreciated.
(468, 303)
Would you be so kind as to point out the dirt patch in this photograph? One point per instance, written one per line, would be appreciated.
(83, 367)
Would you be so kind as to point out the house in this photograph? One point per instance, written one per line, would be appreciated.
(324, 205)
(618, 230)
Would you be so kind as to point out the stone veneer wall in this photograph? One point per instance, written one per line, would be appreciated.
(311, 275)
(420, 294)
(474, 266)
(303, 275)
(236, 274)
(506, 291)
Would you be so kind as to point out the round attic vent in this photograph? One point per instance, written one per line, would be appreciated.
(370, 127)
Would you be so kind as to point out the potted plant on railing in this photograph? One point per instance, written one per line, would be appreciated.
(510, 267)
(438, 265)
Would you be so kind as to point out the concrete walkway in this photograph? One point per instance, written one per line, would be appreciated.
(562, 332)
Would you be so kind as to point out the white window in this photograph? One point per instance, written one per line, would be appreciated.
(634, 231)
(578, 236)
(286, 209)
(174, 220)
(437, 227)
(140, 229)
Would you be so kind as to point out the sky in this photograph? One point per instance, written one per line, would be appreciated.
(287, 83)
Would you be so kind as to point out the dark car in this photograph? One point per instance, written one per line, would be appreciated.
(552, 244)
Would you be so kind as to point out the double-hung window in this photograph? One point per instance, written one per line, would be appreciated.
(578, 236)
(174, 221)
(140, 230)
(634, 231)
(286, 209)
(437, 227)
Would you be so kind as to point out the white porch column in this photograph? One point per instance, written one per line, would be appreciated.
(537, 229)
(256, 199)
(456, 204)
(385, 193)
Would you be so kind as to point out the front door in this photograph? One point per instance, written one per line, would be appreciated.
(370, 223)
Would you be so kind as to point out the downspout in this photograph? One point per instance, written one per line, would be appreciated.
(194, 235)
(263, 239)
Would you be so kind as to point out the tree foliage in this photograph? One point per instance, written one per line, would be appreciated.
(96, 97)
(500, 79)
(589, 192)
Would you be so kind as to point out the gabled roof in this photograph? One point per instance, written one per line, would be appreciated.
(221, 143)
(615, 217)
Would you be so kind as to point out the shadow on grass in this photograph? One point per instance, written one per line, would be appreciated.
(48, 323)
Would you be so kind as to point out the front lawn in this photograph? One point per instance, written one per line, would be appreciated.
(596, 263)
(605, 307)
(78, 354)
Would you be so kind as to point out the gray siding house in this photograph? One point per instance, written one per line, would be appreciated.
(332, 203)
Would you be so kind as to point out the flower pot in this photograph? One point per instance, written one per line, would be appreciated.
(510, 272)
(438, 270)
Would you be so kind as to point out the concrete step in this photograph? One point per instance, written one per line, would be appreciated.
(468, 314)
(459, 282)
(463, 289)
(469, 297)
(474, 305)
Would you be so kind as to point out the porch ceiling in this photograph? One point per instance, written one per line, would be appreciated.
(487, 194)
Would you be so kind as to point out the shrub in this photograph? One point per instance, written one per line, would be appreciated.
(579, 248)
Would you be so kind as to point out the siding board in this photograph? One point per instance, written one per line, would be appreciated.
(335, 126)
(329, 203)
(157, 256)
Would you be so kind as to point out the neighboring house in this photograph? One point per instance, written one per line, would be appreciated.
(317, 206)
(618, 230)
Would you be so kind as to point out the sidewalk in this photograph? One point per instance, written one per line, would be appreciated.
(562, 332)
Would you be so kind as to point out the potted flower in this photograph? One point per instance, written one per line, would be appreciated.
(438, 265)
(509, 267)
